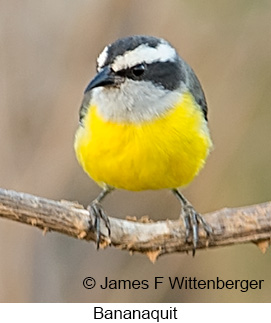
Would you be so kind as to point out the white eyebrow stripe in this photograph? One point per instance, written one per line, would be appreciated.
(143, 53)
(102, 57)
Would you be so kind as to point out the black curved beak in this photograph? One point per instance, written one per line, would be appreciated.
(105, 77)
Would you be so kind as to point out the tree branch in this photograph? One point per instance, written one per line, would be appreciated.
(231, 226)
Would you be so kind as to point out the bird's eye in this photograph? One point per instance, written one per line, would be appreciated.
(138, 70)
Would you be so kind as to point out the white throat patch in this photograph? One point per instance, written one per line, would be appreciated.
(134, 102)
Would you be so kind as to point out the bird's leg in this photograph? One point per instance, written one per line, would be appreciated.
(95, 208)
(191, 220)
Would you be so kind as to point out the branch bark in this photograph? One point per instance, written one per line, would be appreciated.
(231, 226)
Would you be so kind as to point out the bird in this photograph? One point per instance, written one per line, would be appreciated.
(143, 126)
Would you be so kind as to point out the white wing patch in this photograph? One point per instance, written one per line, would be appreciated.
(102, 58)
(143, 53)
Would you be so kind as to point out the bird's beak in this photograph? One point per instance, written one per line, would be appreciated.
(105, 77)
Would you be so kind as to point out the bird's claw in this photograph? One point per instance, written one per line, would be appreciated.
(192, 219)
(96, 210)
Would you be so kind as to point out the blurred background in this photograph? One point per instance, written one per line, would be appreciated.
(47, 57)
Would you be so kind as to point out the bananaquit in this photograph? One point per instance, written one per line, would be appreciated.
(143, 125)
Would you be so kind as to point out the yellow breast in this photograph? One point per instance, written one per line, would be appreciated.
(166, 152)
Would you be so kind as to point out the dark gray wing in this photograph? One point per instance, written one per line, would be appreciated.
(84, 107)
(195, 88)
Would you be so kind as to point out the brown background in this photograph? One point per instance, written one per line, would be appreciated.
(47, 57)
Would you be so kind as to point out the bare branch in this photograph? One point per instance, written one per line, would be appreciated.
(231, 226)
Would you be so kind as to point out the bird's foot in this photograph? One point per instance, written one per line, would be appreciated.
(96, 210)
(192, 219)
